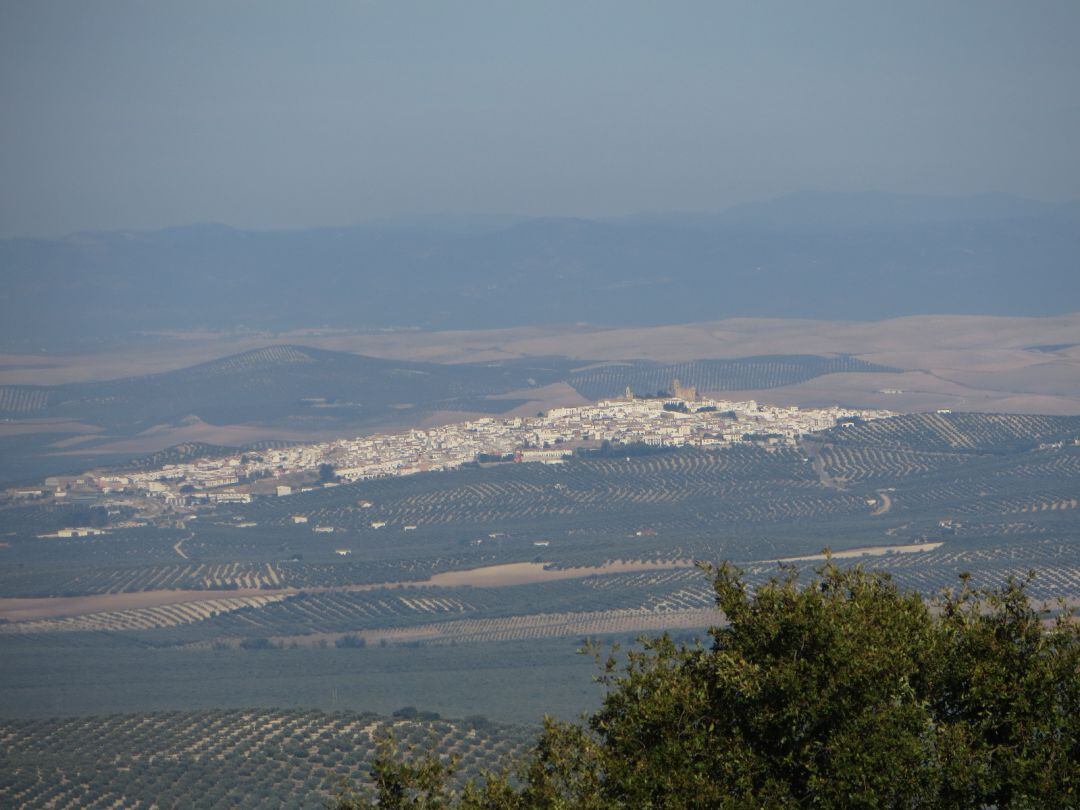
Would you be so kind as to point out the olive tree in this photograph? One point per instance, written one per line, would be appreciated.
(840, 692)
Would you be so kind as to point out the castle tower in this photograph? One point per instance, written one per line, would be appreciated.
(688, 393)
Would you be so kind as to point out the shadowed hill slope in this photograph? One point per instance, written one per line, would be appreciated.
(280, 382)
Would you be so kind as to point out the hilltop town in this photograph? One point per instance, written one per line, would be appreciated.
(683, 419)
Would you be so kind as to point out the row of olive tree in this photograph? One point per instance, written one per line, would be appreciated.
(846, 692)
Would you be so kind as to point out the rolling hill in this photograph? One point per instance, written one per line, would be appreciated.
(299, 393)
(291, 383)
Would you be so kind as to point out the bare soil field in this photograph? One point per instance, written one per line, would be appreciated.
(527, 573)
(884, 506)
(1059, 378)
(867, 551)
(494, 576)
(543, 398)
(742, 337)
(993, 343)
(17, 427)
(13, 609)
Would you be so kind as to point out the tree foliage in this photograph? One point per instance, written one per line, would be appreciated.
(843, 692)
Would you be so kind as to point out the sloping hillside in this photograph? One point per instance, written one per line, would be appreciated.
(296, 383)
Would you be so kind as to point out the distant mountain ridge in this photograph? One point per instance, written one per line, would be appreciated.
(817, 209)
(808, 255)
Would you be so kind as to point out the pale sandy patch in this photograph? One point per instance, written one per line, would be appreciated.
(865, 551)
(114, 364)
(1053, 378)
(15, 609)
(543, 398)
(972, 360)
(885, 506)
(525, 573)
(493, 576)
(738, 337)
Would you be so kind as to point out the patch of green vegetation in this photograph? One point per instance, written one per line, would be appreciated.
(843, 692)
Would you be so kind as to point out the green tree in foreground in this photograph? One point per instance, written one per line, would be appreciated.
(841, 693)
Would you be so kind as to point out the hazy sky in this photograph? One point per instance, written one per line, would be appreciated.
(145, 114)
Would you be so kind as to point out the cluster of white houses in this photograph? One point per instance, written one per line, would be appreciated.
(546, 438)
